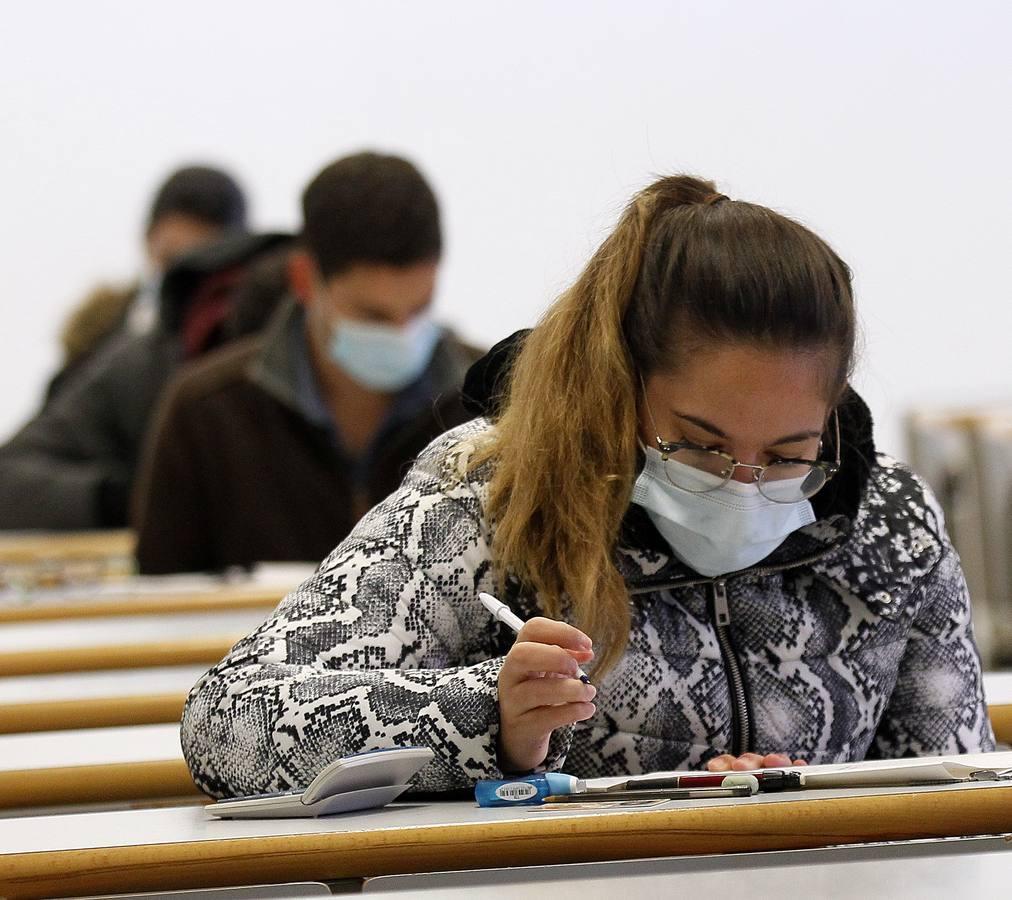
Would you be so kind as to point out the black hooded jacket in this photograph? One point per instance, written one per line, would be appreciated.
(73, 465)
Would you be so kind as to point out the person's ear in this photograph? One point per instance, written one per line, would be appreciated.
(302, 276)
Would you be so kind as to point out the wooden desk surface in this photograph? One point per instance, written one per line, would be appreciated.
(92, 765)
(124, 629)
(36, 648)
(102, 683)
(20, 753)
(43, 546)
(99, 699)
(84, 604)
(184, 847)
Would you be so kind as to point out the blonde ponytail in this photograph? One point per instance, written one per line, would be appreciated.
(564, 449)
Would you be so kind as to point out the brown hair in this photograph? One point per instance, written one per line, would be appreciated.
(370, 208)
(684, 265)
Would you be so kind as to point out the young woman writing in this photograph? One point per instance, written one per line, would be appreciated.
(677, 488)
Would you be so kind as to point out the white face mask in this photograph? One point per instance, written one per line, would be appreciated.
(726, 529)
(383, 357)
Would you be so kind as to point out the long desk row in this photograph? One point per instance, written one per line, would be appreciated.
(83, 604)
(35, 648)
(182, 847)
(137, 763)
(92, 765)
(98, 699)
(179, 846)
(41, 548)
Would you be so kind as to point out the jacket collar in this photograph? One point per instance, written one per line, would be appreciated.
(275, 367)
(227, 254)
(282, 368)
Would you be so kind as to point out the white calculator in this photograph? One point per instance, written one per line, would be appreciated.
(362, 781)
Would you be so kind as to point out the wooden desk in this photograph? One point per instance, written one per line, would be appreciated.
(100, 699)
(177, 848)
(30, 547)
(92, 765)
(118, 642)
(217, 598)
(31, 560)
(998, 690)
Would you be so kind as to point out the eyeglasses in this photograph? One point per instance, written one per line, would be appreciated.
(687, 465)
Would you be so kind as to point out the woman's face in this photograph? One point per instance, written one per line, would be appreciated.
(755, 404)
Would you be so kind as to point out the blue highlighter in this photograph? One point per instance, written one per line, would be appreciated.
(530, 790)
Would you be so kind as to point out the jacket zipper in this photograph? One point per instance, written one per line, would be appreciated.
(744, 573)
(741, 722)
(741, 725)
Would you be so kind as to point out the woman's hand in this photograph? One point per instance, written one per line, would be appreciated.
(540, 690)
(729, 763)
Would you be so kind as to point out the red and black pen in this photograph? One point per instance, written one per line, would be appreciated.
(769, 780)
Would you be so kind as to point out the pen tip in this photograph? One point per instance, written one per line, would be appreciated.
(585, 679)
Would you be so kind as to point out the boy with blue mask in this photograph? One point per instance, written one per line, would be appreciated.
(278, 446)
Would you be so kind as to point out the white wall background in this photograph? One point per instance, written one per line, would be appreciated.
(883, 126)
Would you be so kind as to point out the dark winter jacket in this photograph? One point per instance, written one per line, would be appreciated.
(244, 468)
(72, 466)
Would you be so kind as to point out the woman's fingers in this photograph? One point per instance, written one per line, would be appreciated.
(545, 719)
(530, 660)
(537, 692)
(720, 763)
(523, 740)
(540, 630)
(747, 761)
(540, 690)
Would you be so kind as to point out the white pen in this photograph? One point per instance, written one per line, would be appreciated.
(502, 613)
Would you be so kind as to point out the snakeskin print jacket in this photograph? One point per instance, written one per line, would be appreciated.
(852, 640)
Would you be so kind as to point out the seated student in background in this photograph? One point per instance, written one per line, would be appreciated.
(192, 207)
(679, 488)
(72, 466)
(273, 448)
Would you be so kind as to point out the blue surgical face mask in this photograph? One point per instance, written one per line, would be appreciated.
(716, 531)
(383, 357)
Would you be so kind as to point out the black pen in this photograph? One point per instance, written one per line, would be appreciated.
(741, 790)
(769, 780)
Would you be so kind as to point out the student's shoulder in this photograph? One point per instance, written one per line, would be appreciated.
(901, 522)
(450, 457)
(902, 494)
(216, 374)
